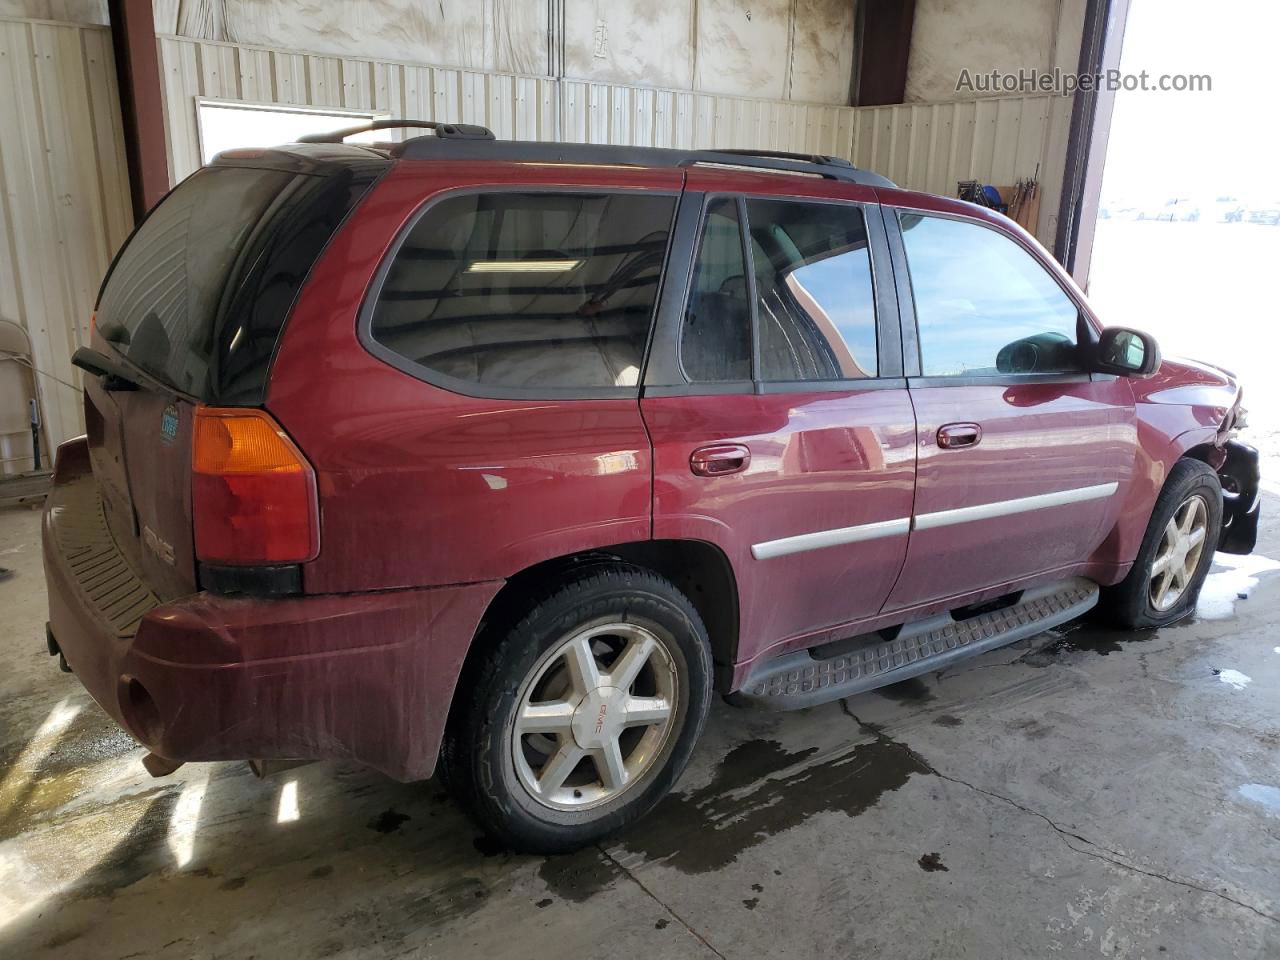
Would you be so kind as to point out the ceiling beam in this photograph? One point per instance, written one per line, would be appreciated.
(133, 36)
(884, 48)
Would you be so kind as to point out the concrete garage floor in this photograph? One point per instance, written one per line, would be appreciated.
(1084, 794)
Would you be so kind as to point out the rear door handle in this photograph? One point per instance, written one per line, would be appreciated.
(719, 459)
(952, 436)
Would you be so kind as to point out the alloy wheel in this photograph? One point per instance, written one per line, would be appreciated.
(1178, 555)
(594, 715)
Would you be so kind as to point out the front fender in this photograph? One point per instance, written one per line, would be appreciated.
(1166, 433)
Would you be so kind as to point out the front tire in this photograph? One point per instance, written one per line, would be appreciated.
(581, 717)
(1176, 553)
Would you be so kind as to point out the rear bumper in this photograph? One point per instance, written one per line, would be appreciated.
(364, 677)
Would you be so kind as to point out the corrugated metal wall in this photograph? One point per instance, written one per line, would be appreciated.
(921, 146)
(64, 195)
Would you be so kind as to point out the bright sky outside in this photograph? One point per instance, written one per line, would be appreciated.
(1198, 145)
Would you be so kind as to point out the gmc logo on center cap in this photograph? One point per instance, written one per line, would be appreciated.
(604, 708)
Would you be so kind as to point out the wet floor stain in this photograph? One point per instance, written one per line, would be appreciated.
(578, 877)
(488, 846)
(62, 939)
(1030, 727)
(932, 863)
(661, 924)
(138, 853)
(544, 903)
(235, 883)
(751, 902)
(947, 720)
(388, 821)
(1086, 637)
(914, 690)
(759, 790)
(458, 898)
(320, 872)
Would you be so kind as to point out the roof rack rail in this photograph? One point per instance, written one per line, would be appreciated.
(535, 151)
(444, 131)
(819, 158)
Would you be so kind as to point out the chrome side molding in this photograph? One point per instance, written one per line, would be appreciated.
(1008, 508)
(928, 521)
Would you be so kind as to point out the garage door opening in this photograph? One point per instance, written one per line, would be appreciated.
(1188, 230)
(227, 124)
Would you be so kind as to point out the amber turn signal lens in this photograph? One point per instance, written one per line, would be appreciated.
(253, 494)
(241, 441)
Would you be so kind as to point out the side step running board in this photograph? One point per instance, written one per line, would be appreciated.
(802, 680)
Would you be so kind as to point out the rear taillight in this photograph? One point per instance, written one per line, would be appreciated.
(253, 494)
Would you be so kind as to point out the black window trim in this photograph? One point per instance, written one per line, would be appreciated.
(469, 388)
(740, 212)
(912, 363)
(665, 375)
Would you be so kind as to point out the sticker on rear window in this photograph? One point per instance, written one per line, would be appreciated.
(169, 423)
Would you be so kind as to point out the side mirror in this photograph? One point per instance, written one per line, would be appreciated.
(1125, 353)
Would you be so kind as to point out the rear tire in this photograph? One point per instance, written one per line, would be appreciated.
(1176, 553)
(545, 752)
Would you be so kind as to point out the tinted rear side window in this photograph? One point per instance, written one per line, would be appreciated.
(527, 290)
(715, 339)
(817, 315)
(199, 295)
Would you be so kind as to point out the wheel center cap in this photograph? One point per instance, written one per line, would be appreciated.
(598, 718)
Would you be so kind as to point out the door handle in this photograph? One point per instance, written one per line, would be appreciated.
(719, 459)
(952, 436)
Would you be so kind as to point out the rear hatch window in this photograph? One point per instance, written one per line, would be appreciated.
(198, 296)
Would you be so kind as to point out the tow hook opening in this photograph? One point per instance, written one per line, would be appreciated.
(140, 712)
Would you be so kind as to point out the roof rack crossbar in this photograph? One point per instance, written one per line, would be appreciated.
(444, 131)
(535, 151)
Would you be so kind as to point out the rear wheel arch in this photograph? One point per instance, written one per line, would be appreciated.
(700, 570)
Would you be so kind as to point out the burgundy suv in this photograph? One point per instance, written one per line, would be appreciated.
(502, 456)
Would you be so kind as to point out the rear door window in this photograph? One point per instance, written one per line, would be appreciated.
(814, 290)
(526, 291)
(199, 294)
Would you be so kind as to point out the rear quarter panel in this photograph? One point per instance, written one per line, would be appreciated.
(420, 486)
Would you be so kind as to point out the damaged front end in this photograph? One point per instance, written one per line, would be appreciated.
(1241, 499)
(1236, 463)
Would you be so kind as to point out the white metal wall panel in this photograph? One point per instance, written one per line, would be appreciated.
(933, 146)
(925, 146)
(64, 196)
